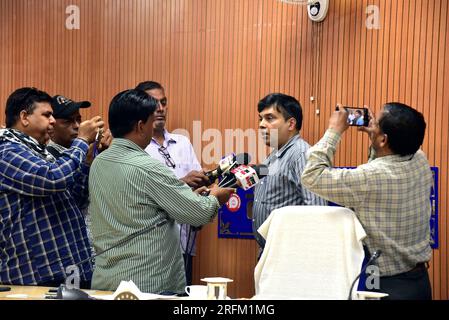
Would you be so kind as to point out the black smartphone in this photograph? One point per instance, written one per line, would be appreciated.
(3, 289)
(358, 116)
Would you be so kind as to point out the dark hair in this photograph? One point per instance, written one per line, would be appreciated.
(23, 99)
(404, 126)
(128, 108)
(287, 105)
(149, 85)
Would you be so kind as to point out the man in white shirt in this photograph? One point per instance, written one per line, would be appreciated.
(177, 153)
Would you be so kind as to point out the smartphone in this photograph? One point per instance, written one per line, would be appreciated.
(358, 116)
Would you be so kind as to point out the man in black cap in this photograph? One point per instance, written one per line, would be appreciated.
(68, 118)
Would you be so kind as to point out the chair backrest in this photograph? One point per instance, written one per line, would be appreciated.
(311, 252)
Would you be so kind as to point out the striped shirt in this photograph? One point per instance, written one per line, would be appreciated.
(42, 231)
(282, 187)
(181, 151)
(129, 191)
(390, 196)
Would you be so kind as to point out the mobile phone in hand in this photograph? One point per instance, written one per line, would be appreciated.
(358, 116)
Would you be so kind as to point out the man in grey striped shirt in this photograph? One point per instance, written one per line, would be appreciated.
(280, 119)
(130, 191)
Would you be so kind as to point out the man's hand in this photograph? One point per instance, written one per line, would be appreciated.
(106, 141)
(204, 189)
(222, 194)
(339, 120)
(196, 179)
(88, 129)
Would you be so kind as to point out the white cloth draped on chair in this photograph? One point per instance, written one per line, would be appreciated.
(311, 252)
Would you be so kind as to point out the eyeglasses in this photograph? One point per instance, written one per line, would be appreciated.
(162, 101)
(168, 160)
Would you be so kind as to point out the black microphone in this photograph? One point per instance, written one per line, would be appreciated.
(234, 178)
(373, 258)
(226, 164)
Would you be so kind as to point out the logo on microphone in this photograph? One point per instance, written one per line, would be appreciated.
(234, 203)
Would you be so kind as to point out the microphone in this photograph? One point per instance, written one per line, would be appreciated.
(373, 258)
(227, 163)
(244, 176)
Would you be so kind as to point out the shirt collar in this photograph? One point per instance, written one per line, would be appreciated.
(57, 146)
(395, 158)
(280, 153)
(123, 142)
(168, 138)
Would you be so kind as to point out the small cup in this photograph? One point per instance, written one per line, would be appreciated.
(217, 288)
(216, 291)
(197, 292)
(368, 295)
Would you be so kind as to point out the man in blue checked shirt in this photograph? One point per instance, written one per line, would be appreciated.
(42, 231)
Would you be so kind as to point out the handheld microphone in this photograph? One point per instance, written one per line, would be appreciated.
(373, 258)
(227, 163)
(244, 176)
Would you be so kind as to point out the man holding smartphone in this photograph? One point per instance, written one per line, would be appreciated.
(389, 194)
(67, 122)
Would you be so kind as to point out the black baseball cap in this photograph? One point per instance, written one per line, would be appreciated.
(64, 107)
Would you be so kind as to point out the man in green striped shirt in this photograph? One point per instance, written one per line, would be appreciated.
(130, 191)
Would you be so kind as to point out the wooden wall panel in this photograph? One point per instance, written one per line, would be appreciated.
(218, 58)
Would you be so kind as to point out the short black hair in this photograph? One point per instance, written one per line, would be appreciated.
(287, 105)
(128, 108)
(23, 99)
(404, 126)
(149, 85)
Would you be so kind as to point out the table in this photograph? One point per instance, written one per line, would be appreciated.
(36, 292)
